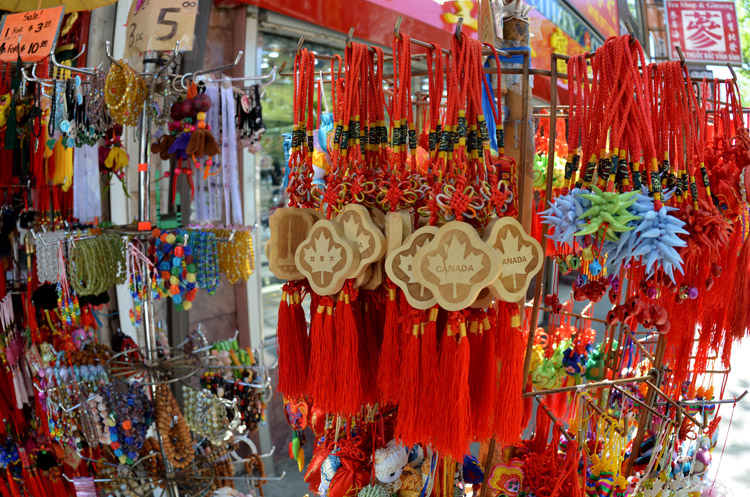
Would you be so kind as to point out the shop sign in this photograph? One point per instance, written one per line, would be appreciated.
(31, 33)
(569, 21)
(706, 32)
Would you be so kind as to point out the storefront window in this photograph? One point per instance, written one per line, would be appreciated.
(277, 100)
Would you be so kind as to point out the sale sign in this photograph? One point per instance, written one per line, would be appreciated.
(707, 32)
(29, 35)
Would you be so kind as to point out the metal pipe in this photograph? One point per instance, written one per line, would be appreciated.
(672, 402)
(554, 419)
(706, 402)
(589, 386)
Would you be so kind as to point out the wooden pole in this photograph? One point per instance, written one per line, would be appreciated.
(648, 401)
(516, 34)
(538, 285)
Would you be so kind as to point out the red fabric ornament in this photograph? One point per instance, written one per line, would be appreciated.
(368, 348)
(451, 429)
(14, 491)
(409, 384)
(429, 390)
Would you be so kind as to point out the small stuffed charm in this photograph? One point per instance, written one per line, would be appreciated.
(389, 464)
(327, 471)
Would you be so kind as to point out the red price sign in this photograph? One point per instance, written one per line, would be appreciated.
(31, 34)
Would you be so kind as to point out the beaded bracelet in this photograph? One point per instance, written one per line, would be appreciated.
(204, 248)
(236, 256)
(129, 413)
(96, 264)
(124, 93)
(175, 268)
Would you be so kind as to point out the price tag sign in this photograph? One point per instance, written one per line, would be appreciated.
(24, 457)
(158, 24)
(33, 358)
(71, 458)
(37, 31)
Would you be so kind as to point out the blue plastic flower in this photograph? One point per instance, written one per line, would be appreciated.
(563, 215)
(654, 239)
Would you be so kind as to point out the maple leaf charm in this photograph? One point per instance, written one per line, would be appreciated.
(399, 265)
(521, 258)
(362, 231)
(326, 258)
(323, 254)
(463, 261)
(456, 265)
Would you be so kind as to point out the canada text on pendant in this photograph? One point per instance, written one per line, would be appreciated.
(456, 265)
(521, 258)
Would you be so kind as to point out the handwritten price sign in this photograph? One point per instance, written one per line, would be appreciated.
(37, 30)
(158, 24)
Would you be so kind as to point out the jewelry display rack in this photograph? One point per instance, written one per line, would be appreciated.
(165, 365)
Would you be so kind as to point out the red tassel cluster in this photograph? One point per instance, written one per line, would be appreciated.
(293, 342)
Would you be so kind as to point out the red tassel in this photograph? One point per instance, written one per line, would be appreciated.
(4, 490)
(482, 377)
(320, 378)
(31, 482)
(368, 350)
(288, 376)
(407, 430)
(389, 362)
(559, 402)
(510, 353)
(347, 376)
(12, 485)
(429, 391)
(452, 428)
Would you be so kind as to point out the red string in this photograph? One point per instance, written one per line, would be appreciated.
(725, 445)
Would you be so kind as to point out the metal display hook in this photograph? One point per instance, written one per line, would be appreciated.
(95, 480)
(53, 59)
(199, 72)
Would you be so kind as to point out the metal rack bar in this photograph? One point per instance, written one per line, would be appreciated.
(589, 386)
(554, 419)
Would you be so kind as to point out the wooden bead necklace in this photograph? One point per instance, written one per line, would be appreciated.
(175, 433)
